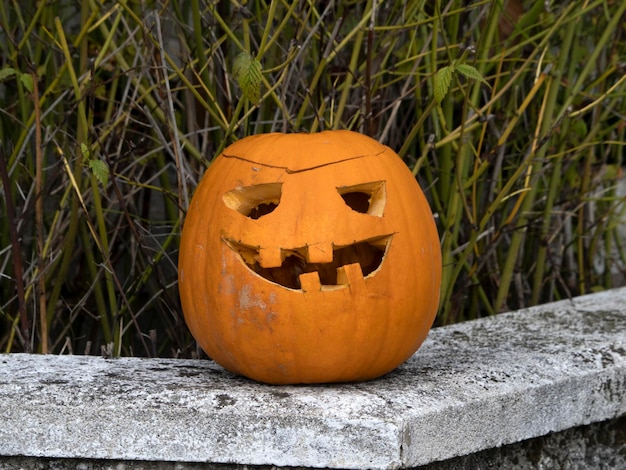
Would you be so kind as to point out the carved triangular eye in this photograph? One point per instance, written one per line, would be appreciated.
(254, 201)
(366, 198)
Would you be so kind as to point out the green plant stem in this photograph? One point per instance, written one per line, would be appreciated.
(325, 59)
(519, 234)
(555, 180)
(349, 78)
(99, 299)
(199, 40)
(82, 137)
(150, 102)
(590, 63)
(39, 222)
(69, 242)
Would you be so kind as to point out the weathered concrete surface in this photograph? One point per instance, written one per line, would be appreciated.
(472, 386)
(597, 446)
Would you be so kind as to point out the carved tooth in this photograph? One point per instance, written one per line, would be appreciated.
(352, 276)
(320, 253)
(310, 282)
(270, 257)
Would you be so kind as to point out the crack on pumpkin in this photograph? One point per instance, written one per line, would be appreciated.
(291, 171)
(368, 254)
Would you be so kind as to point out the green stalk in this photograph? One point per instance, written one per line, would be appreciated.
(101, 304)
(445, 157)
(198, 35)
(548, 121)
(590, 63)
(448, 198)
(69, 242)
(542, 250)
(347, 84)
(452, 186)
(82, 138)
(150, 102)
(555, 179)
(266, 31)
(324, 61)
(581, 259)
(144, 277)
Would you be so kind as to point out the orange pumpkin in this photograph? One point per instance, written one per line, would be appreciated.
(309, 258)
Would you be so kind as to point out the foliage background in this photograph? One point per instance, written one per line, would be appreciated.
(111, 111)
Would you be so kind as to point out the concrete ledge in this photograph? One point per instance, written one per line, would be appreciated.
(471, 387)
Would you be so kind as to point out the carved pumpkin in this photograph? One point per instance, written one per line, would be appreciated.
(309, 258)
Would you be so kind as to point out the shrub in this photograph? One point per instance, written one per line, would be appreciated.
(510, 115)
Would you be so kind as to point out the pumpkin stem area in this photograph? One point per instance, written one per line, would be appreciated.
(367, 254)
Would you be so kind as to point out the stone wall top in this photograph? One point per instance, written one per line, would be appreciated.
(471, 386)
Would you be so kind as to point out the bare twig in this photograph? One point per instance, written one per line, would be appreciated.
(18, 266)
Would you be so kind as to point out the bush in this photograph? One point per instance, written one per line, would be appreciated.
(510, 115)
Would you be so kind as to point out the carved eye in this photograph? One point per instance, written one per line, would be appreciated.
(366, 198)
(254, 201)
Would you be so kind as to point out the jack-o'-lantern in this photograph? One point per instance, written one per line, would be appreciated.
(309, 258)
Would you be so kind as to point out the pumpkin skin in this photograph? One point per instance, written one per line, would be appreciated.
(309, 258)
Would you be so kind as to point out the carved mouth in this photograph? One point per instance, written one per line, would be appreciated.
(285, 266)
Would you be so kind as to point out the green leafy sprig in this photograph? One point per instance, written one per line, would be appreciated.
(443, 78)
(247, 72)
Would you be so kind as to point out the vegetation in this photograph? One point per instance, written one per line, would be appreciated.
(510, 113)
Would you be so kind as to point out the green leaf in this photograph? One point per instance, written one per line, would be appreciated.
(469, 71)
(441, 83)
(25, 78)
(247, 72)
(578, 130)
(100, 170)
(98, 167)
(27, 81)
(7, 72)
(85, 149)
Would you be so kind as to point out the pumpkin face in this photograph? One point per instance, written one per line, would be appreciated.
(309, 258)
